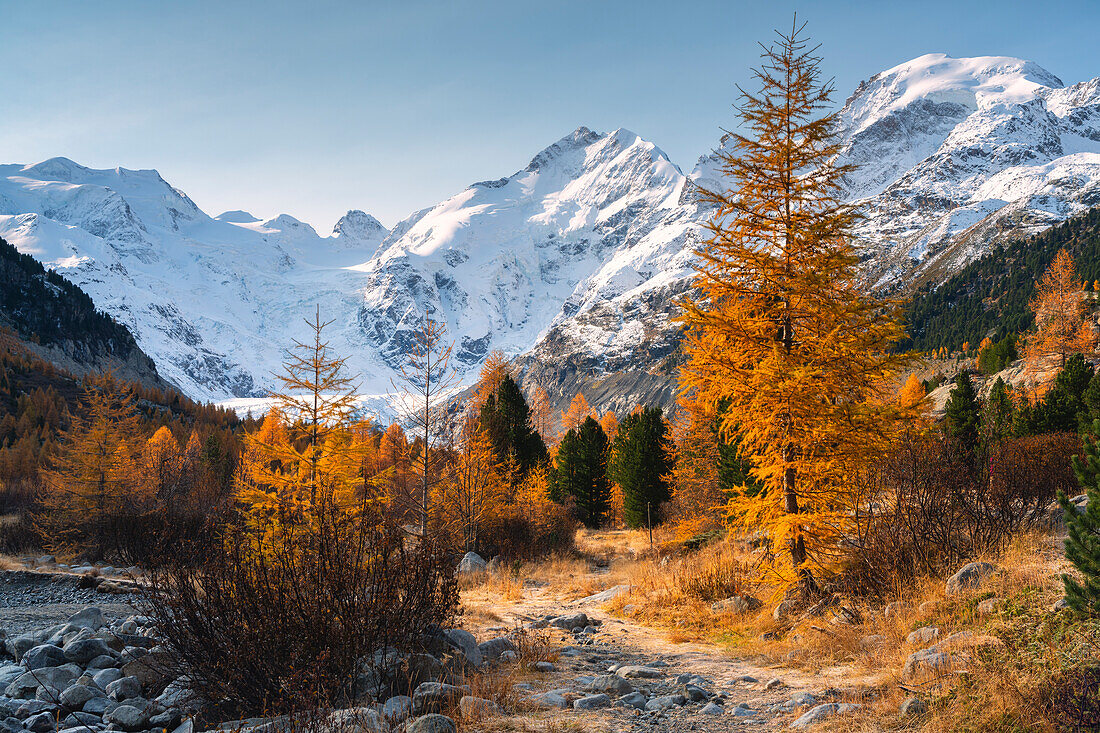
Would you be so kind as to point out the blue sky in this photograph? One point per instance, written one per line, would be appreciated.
(314, 108)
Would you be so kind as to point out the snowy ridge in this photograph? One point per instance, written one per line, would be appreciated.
(574, 262)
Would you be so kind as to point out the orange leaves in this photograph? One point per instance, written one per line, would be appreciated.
(1060, 325)
(782, 339)
(575, 415)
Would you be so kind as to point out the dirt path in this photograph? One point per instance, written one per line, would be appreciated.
(740, 685)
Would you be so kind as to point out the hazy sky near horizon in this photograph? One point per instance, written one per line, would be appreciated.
(314, 108)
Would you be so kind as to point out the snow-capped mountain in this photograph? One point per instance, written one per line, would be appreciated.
(573, 262)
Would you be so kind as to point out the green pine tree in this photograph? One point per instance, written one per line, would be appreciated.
(580, 472)
(506, 419)
(640, 462)
(997, 413)
(1091, 399)
(1083, 542)
(1063, 407)
(962, 419)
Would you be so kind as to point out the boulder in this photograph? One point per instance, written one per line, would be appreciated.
(493, 648)
(40, 722)
(105, 677)
(44, 655)
(26, 684)
(893, 610)
(695, 693)
(665, 702)
(475, 708)
(124, 688)
(357, 720)
(612, 684)
(819, 713)
(431, 724)
(712, 708)
(75, 696)
(932, 662)
(737, 604)
(127, 717)
(634, 700)
(83, 651)
(545, 667)
(802, 700)
(398, 708)
(604, 596)
(465, 642)
(430, 697)
(913, 707)
(103, 662)
(968, 577)
(99, 706)
(635, 671)
(592, 702)
(88, 618)
(152, 669)
(923, 635)
(472, 562)
(784, 611)
(17, 646)
(552, 700)
(570, 622)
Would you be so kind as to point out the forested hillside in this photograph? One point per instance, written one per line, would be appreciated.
(990, 296)
(59, 322)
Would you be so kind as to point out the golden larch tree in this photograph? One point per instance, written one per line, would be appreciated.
(472, 485)
(494, 369)
(575, 415)
(306, 454)
(1059, 306)
(779, 329)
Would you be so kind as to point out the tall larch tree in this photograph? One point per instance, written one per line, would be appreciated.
(1059, 306)
(779, 327)
(578, 410)
(472, 486)
(309, 456)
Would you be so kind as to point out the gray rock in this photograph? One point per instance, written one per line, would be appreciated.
(153, 669)
(474, 708)
(932, 661)
(83, 651)
(79, 719)
(774, 683)
(695, 693)
(894, 609)
(28, 708)
(75, 696)
(88, 618)
(103, 662)
(819, 713)
(611, 684)
(923, 635)
(124, 688)
(604, 596)
(508, 656)
(430, 697)
(465, 642)
(570, 622)
(913, 707)
(737, 604)
(552, 700)
(988, 606)
(493, 648)
(784, 611)
(398, 708)
(40, 722)
(26, 684)
(100, 706)
(357, 720)
(712, 708)
(634, 700)
(106, 677)
(1060, 605)
(802, 700)
(592, 702)
(44, 655)
(431, 724)
(635, 671)
(17, 646)
(127, 717)
(472, 562)
(665, 702)
(545, 667)
(969, 576)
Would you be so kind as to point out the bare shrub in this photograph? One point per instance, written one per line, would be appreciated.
(924, 510)
(713, 576)
(282, 619)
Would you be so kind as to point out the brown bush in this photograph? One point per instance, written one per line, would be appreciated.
(278, 620)
(1071, 698)
(517, 533)
(924, 510)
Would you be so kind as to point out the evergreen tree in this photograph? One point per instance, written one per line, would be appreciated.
(1091, 399)
(997, 413)
(580, 472)
(506, 420)
(962, 418)
(1083, 542)
(641, 460)
(1063, 406)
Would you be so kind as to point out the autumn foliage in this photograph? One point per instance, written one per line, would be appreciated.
(1060, 326)
(779, 329)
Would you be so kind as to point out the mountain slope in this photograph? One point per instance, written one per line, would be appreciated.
(574, 262)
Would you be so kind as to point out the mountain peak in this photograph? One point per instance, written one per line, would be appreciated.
(59, 168)
(359, 227)
(237, 216)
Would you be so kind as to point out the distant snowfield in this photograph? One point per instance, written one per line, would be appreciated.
(953, 153)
